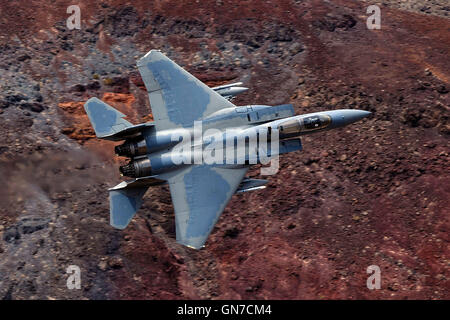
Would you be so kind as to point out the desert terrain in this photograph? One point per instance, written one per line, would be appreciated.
(373, 193)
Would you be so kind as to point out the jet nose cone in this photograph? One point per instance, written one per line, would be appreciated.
(340, 118)
(363, 113)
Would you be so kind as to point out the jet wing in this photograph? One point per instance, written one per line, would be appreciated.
(199, 195)
(177, 98)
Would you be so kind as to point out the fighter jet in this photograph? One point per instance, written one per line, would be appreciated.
(189, 119)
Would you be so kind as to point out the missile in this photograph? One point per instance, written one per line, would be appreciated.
(236, 84)
(251, 185)
(231, 90)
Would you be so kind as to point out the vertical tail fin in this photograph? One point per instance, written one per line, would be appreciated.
(105, 119)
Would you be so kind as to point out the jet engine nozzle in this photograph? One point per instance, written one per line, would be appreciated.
(136, 168)
(131, 148)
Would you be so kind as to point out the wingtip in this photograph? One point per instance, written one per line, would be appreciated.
(148, 56)
(192, 245)
(90, 100)
(118, 227)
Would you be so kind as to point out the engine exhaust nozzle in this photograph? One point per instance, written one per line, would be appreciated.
(131, 148)
(136, 168)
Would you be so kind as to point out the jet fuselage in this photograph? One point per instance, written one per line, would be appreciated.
(152, 152)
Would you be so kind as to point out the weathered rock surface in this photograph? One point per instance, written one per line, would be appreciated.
(375, 193)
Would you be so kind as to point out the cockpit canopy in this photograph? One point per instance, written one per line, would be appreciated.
(289, 127)
(316, 122)
(299, 125)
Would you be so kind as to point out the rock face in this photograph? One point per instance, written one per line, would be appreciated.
(375, 193)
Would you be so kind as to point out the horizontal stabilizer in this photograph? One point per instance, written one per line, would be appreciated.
(105, 119)
(148, 181)
(130, 132)
(123, 205)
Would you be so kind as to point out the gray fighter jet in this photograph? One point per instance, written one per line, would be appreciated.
(189, 119)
